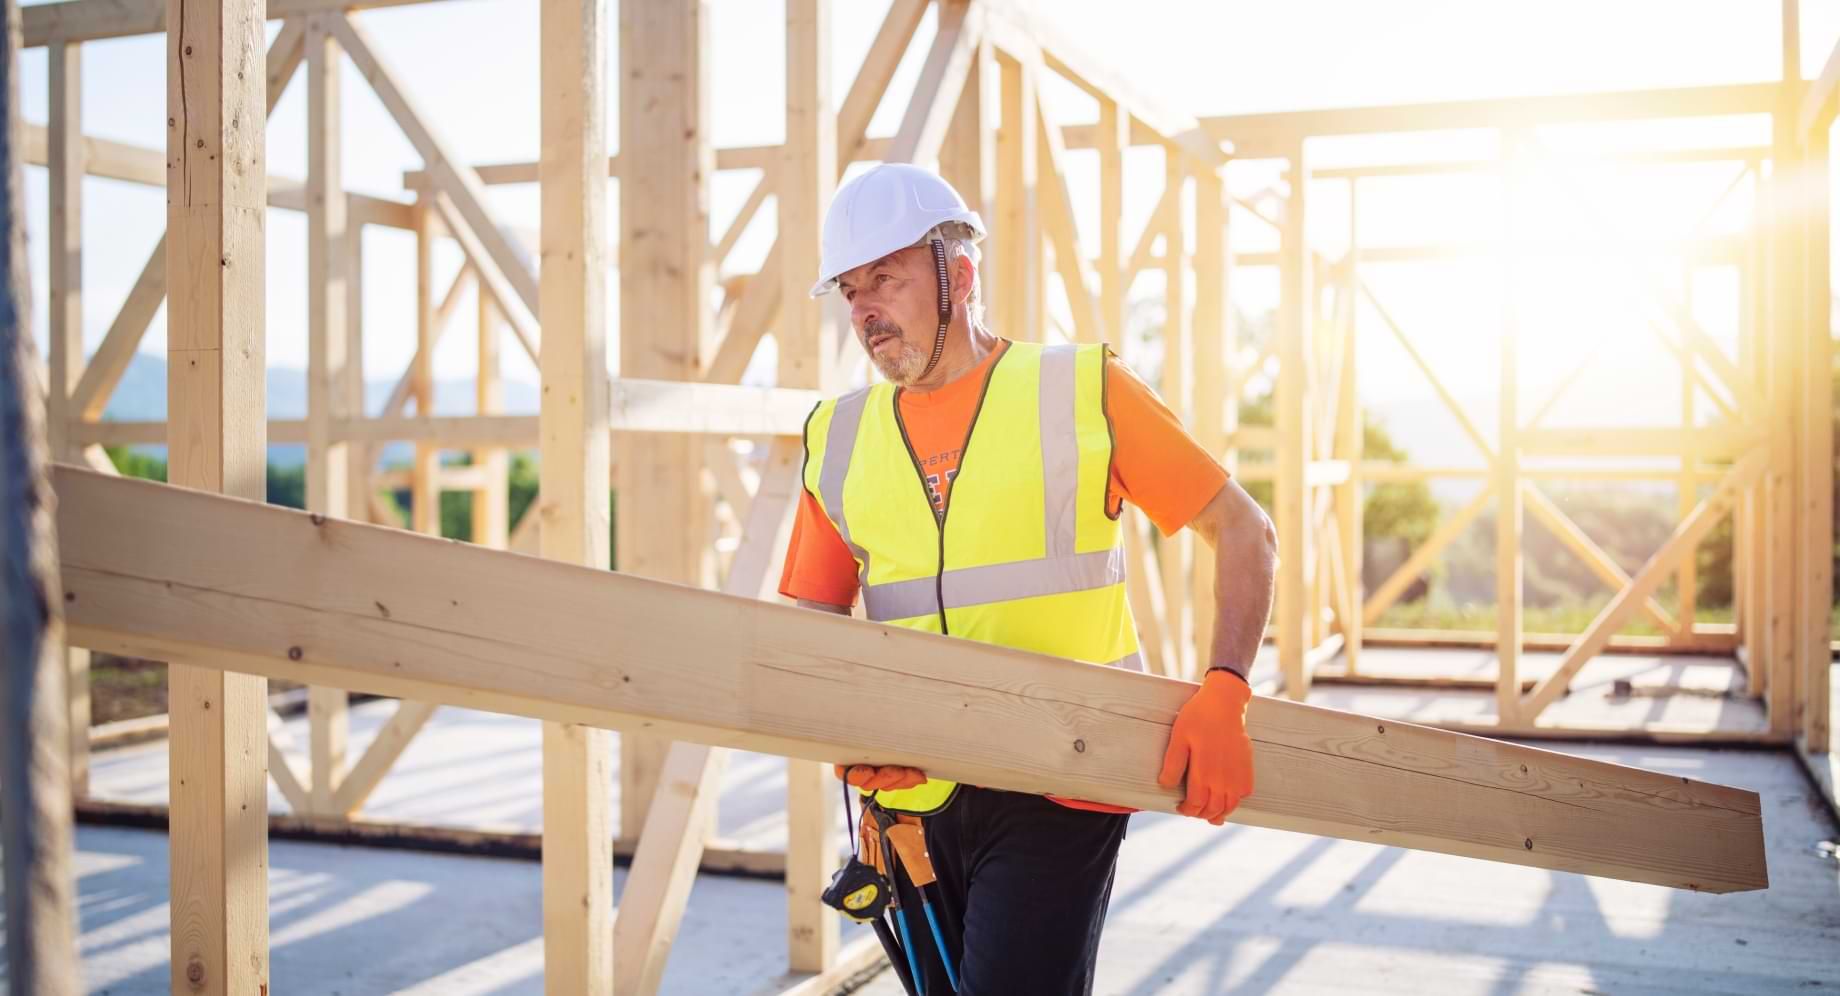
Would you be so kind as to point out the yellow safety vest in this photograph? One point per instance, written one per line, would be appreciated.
(1026, 555)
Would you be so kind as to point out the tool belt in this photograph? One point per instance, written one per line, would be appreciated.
(908, 835)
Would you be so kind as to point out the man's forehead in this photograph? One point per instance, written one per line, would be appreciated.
(892, 259)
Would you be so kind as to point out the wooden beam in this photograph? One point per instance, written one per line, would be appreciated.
(1293, 425)
(215, 442)
(1015, 235)
(1612, 616)
(1509, 513)
(89, 20)
(1057, 214)
(491, 496)
(665, 864)
(942, 80)
(809, 337)
(641, 405)
(565, 643)
(330, 393)
(1816, 434)
(1176, 553)
(878, 69)
(424, 496)
(577, 781)
(1265, 134)
(1395, 585)
(665, 315)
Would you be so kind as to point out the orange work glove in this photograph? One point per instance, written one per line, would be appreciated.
(1209, 742)
(883, 778)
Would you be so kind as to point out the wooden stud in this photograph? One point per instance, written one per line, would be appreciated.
(492, 498)
(1350, 495)
(1177, 553)
(1600, 563)
(808, 349)
(1017, 266)
(667, 282)
(215, 429)
(785, 680)
(425, 495)
(577, 780)
(1293, 425)
(1114, 138)
(1817, 441)
(1508, 512)
(328, 393)
(665, 864)
(1686, 579)
(65, 159)
(968, 155)
(1213, 336)
(1781, 335)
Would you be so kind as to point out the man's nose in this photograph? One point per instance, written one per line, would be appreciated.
(865, 312)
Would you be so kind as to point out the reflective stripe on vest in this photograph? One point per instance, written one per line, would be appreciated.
(1025, 556)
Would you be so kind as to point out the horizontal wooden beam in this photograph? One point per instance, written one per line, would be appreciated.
(88, 20)
(196, 578)
(1267, 134)
(114, 160)
(1721, 443)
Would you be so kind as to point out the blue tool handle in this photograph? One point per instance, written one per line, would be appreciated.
(939, 942)
(907, 944)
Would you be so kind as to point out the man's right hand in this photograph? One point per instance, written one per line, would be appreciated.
(882, 778)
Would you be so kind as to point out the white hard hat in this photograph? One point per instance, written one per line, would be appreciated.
(883, 211)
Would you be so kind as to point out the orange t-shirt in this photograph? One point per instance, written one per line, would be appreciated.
(1156, 465)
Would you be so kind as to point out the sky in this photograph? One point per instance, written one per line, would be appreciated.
(471, 66)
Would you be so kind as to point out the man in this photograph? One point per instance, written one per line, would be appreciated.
(977, 493)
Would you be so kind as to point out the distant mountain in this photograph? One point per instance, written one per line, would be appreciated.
(141, 397)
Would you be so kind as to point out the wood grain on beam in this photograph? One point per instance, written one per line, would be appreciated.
(389, 612)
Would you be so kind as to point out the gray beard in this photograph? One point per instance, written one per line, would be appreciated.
(908, 362)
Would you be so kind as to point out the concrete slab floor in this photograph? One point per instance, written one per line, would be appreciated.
(1196, 910)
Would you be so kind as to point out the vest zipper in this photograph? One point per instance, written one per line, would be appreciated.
(939, 521)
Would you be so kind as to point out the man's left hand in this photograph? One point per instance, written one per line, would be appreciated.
(1210, 743)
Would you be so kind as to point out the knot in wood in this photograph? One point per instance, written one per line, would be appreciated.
(194, 973)
(294, 653)
(1079, 746)
(1529, 843)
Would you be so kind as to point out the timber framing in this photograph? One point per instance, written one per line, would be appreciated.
(1749, 446)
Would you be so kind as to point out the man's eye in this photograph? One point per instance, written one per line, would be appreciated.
(882, 278)
(849, 295)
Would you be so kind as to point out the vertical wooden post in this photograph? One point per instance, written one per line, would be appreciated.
(1114, 137)
(492, 499)
(1294, 430)
(572, 306)
(64, 156)
(1686, 578)
(1508, 510)
(1817, 437)
(1176, 554)
(328, 394)
(1212, 332)
(968, 156)
(360, 458)
(666, 279)
(1787, 180)
(35, 785)
(216, 197)
(1350, 505)
(1751, 557)
(807, 348)
(1016, 233)
(425, 476)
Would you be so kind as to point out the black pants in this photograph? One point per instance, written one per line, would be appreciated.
(1021, 897)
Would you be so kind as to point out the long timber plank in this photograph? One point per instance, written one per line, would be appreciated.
(192, 577)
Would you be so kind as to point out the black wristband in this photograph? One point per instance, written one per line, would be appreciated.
(1232, 671)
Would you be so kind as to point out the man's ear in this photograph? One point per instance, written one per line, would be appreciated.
(964, 275)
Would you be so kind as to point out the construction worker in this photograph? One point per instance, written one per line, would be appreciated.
(977, 493)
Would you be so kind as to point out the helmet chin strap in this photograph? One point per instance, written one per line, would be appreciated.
(945, 307)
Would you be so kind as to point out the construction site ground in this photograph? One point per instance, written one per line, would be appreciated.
(1195, 909)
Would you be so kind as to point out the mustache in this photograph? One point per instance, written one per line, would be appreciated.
(880, 326)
